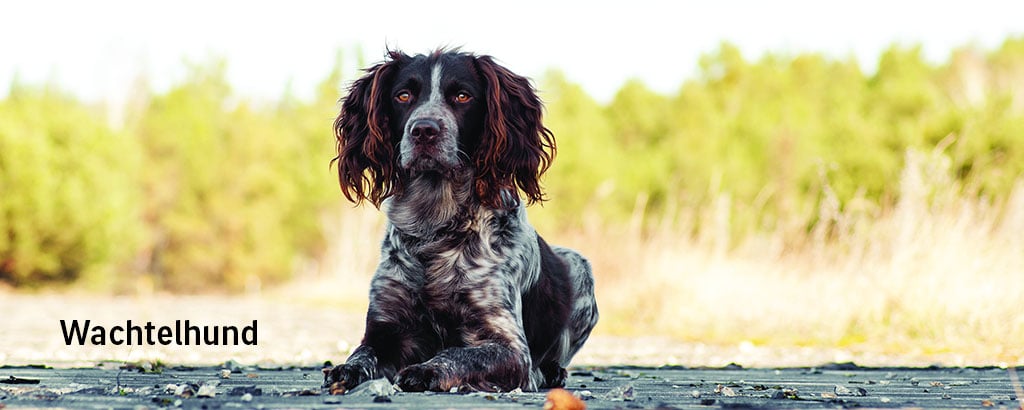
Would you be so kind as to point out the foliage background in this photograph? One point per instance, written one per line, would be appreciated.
(791, 171)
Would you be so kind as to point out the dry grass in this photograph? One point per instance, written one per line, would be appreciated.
(939, 277)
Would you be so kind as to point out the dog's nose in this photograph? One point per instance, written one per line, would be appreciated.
(425, 130)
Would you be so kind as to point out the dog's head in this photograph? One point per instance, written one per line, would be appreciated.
(447, 113)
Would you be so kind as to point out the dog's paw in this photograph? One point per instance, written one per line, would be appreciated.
(340, 379)
(554, 375)
(424, 377)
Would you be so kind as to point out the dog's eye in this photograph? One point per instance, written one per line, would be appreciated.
(463, 97)
(403, 97)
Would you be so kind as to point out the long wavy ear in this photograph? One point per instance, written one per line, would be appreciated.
(366, 160)
(516, 148)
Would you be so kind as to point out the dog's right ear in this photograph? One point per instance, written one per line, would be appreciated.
(366, 159)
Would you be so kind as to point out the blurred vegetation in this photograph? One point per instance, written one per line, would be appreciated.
(201, 189)
(233, 191)
(197, 191)
(769, 136)
(69, 203)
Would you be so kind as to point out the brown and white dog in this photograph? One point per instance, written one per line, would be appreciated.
(467, 294)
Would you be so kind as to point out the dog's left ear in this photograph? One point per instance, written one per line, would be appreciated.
(516, 148)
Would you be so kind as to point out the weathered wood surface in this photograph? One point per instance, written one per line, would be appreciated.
(840, 385)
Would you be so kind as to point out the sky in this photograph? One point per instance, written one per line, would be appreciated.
(99, 49)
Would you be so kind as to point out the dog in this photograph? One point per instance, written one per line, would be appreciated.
(467, 295)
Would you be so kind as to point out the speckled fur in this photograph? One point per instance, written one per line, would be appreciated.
(467, 295)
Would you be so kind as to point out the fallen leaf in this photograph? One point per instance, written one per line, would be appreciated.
(845, 391)
(184, 390)
(725, 391)
(560, 399)
(207, 390)
(337, 388)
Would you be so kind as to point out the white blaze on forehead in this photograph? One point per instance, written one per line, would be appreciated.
(435, 84)
(434, 105)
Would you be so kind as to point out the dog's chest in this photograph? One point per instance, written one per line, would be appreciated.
(457, 264)
(467, 246)
(465, 269)
(467, 264)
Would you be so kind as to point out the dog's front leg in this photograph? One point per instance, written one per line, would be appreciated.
(496, 358)
(360, 367)
(393, 338)
(488, 367)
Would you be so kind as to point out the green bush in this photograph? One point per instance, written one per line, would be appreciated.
(234, 191)
(773, 134)
(69, 197)
(201, 189)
